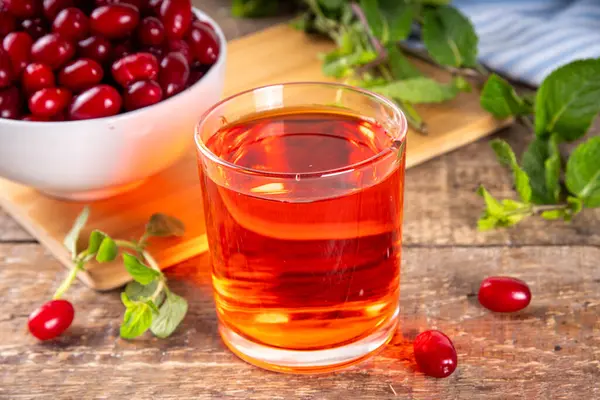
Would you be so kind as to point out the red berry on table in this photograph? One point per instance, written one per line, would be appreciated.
(96, 102)
(49, 101)
(52, 50)
(95, 47)
(51, 319)
(18, 47)
(114, 21)
(80, 74)
(10, 103)
(176, 16)
(142, 94)
(23, 8)
(71, 23)
(135, 67)
(7, 74)
(174, 73)
(36, 27)
(203, 43)
(53, 7)
(37, 76)
(435, 354)
(8, 22)
(182, 47)
(151, 32)
(504, 294)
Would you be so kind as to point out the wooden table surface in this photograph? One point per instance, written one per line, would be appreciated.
(551, 350)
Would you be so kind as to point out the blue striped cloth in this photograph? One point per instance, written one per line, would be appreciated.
(528, 39)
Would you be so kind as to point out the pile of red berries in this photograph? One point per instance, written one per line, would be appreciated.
(81, 59)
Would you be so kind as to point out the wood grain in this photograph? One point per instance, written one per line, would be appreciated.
(500, 356)
(176, 190)
(549, 351)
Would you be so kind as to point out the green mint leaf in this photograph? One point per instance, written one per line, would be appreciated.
(254, 8)
(72, 237)
(553, 214)
(107, 251)
(136, 321)
(507, 157)
(171, 314)
(138, 292)
(499, 98)
(400, 16)
(583, 172)
(462, 84)
(449, 37)
(435, 2)
(332, 4)
(140, 272)
(152, 306)
(126, 300)
(501, 214)
(377, 23)
(400, 66)
(418, 90)
(494, 207)
(163, 225)
(552, 165)
(568, 100)
(541, 161)
(94, 241)
(337, 65)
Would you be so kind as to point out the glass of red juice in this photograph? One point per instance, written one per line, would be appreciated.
(303, 187)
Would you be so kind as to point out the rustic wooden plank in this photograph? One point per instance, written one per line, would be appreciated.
(500, 356)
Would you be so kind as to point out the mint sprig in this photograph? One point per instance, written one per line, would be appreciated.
(149, 302)
(563, 109)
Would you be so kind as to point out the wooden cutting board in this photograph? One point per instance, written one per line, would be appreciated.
(276, 55)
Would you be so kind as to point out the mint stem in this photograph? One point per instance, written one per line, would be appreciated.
(64, 286)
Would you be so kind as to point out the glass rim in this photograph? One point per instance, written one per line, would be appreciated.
(206, 152)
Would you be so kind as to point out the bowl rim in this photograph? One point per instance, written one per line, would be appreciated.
(202, 16)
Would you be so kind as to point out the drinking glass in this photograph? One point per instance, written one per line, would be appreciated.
(303, 188)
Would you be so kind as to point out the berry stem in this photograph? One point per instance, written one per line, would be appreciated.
(66, 284)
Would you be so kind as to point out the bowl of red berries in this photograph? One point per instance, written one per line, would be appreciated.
(97, 95)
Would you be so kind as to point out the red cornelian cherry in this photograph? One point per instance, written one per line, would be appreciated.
(114, 21)
(96, 102)
(51, 319)
(176, 16)
(36, 27)
(174, 73)
(53, 7)
(8, 23)
(6, 70)
(49, 101)
(203, 43)
(52, 50)
(22, 8)
(122, 49)
(151, 32)
(80, 74)
(504, 294)
(18, 47)
(37, 76)
(71, 23)
(435, 354)
(142, 94)
(95, 47)
(31, 117)
(10, 103)
(135, 67)
(182, 47)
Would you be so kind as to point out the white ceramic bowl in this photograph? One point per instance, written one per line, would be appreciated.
(98, 158)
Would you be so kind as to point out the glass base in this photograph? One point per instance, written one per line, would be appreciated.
(309, 362)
